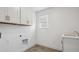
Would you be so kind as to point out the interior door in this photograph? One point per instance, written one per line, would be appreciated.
(14, 13)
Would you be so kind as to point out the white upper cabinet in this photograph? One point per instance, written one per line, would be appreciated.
(14, 14)
(26, 15)
(3, 14)
(10, 15)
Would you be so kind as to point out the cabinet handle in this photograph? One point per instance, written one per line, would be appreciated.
(7, 17)
(27, 21)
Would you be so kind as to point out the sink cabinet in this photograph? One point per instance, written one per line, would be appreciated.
(70, 45)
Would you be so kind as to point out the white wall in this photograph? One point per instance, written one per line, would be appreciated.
(60, 20)
(11, 33)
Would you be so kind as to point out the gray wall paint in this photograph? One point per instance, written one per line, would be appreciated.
(60, 20)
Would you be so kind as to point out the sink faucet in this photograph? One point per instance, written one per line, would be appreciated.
(77, 33)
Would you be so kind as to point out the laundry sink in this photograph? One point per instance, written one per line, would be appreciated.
(70, 42)
(71, 35)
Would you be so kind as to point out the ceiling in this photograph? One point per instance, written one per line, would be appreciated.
(39, 8)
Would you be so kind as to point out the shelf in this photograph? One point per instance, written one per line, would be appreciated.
(14, 24)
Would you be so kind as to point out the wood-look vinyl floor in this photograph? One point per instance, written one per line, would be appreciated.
(38, 48)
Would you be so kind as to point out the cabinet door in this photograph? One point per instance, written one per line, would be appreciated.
(4, 42)
(26, 15)
(14, 14)
(14, 44)
(3, 45)
(71, 45)
(3, 14)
